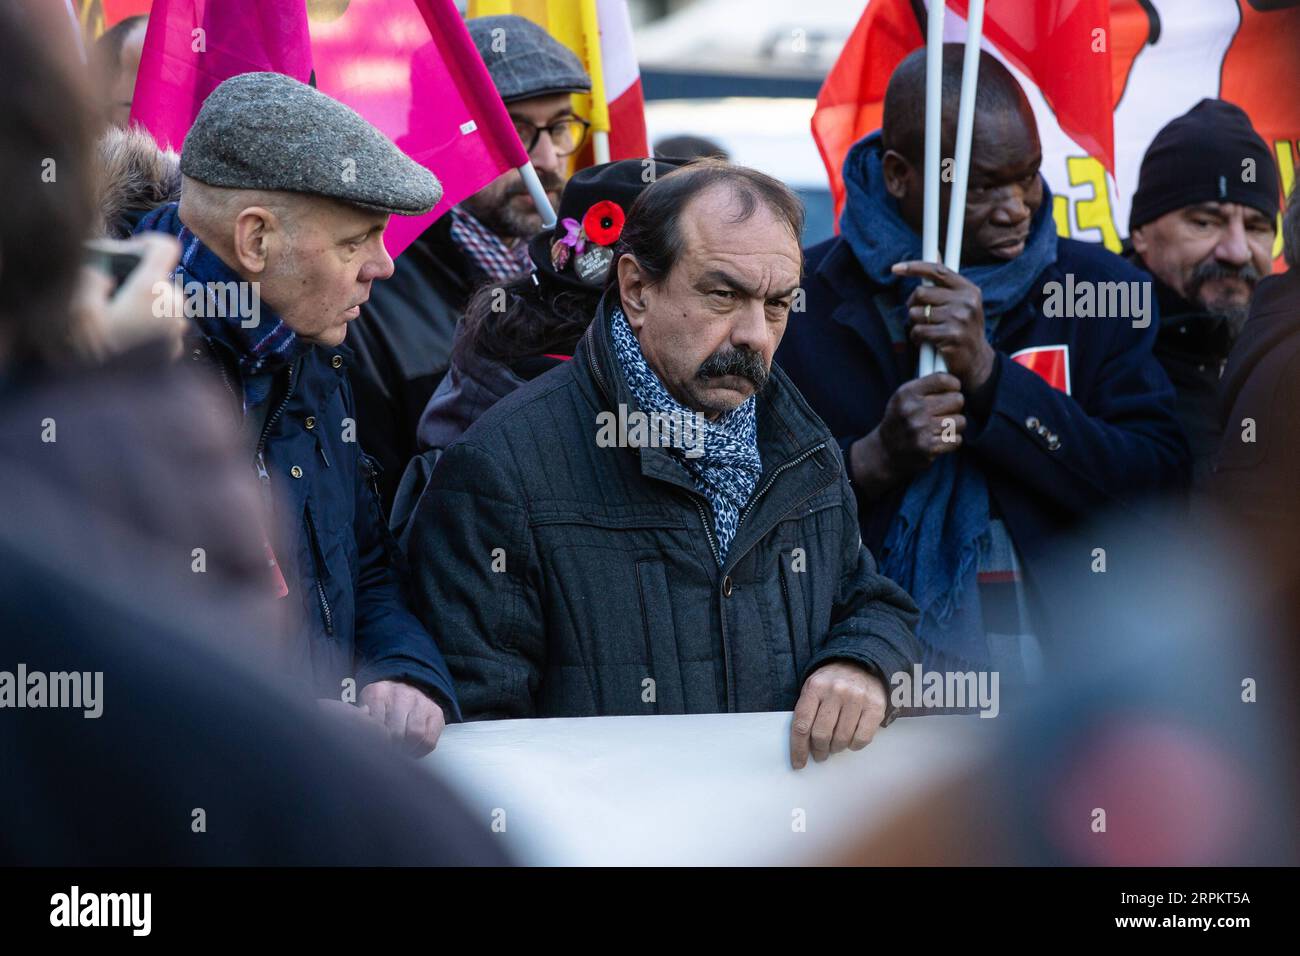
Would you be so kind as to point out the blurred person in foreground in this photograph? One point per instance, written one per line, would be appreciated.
(662, 525)
(513, 333)
(1203, 222)
(1045, 415)
(403, 341)
(117, 466)
(283, 251)
(1168, 740)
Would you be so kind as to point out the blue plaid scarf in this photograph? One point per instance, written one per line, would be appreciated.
(265, 347)
(727, 471)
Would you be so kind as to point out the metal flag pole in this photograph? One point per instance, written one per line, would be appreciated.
(540, 199)
(970, 74)
(600, 146)
(933, 161)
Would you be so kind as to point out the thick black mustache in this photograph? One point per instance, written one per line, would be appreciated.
(743, 362)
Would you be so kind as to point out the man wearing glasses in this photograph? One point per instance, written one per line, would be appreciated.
(404, 336)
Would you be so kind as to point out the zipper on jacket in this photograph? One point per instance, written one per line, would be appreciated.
(319, 560)
(708, 531)
(275, 415)
(772, 478)
(591, 360)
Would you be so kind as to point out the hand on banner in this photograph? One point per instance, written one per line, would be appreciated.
(922, 421)
(413, 720)
(953, 323)
(840, 707)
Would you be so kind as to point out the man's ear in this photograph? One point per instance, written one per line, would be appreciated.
(254, 228)
(896, 170)
(632, 287)
(1141, 241)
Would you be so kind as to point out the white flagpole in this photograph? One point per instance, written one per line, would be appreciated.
(970, 74)
(933, 161)
(540, 199)
(600, 146)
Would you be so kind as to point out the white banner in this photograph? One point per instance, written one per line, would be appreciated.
(713, 789)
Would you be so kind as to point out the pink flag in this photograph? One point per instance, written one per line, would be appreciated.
(193, 45)
(411, 69)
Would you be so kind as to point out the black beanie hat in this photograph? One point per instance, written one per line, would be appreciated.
(618, 183)
(1200, 157)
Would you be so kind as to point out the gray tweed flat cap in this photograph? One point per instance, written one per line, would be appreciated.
(268, 131)
(524, 60)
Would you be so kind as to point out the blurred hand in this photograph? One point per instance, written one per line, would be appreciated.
(358, 717)
(413, 720)
(143, 308)
(840, 707)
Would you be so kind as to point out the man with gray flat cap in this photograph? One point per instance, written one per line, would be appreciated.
(403, 340)
(285, 198)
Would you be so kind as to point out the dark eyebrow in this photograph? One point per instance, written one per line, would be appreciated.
(1205, 209)
(1254, 215)
(718, 277)
(555, 117)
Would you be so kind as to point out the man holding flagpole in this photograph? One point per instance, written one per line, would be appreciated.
(403, 339)
(1052, 407)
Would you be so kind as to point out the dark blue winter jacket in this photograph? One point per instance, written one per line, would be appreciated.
(344, 573)
(1050, 458)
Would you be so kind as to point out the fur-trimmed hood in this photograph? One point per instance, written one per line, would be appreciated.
(135, 177)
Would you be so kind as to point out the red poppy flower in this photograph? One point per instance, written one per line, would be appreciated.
(603, 223)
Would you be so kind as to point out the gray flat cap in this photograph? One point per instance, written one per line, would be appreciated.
(268, 131)
(524, 60)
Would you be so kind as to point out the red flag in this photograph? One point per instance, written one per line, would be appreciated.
(193, 45)
(1054, 43)
(115, 11)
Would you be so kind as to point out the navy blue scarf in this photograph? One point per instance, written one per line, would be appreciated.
(265, 347)
(934, 545)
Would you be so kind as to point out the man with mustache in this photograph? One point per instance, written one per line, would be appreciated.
(565, 575)
(967, 478)
(1203, 223)
(403, 340)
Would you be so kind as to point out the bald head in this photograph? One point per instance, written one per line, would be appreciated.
(1004, 191)
(903, 124)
